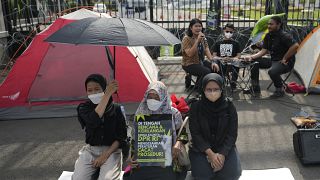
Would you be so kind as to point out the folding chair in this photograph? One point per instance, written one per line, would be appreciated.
(226, 77)
(283, 80)
(243, 81)
(196, 85)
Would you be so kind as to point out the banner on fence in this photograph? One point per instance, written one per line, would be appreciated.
(212, 19)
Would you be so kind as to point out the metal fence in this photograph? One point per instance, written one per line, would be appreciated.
(23, 15)
(27, 17)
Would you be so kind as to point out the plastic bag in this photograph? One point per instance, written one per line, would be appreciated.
(294, 87)
(179, 104)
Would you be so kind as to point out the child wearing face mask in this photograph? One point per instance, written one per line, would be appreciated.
(157, 101)
(226, 50)
(214, 129)
(106, 132)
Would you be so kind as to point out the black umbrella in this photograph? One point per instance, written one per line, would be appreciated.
(115, 32)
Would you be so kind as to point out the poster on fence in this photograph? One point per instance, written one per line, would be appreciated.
(212, 19)
(153, 134)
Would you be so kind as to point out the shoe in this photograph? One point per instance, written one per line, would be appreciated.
(277, 94)
(254, 89)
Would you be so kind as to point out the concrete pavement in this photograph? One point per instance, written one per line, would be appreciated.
(265, 129)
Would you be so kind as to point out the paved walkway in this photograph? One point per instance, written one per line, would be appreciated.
(265, 129)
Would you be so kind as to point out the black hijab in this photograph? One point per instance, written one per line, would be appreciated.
(98, 78)
(208, 106)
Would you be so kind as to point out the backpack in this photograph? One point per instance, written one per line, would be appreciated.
(294, 87)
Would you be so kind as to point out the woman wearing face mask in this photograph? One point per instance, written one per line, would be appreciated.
(105, 128)
(226, 50)
(214, 130)
(194, 48)
(157, 101)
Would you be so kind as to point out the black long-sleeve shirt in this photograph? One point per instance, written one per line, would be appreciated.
(105, 130)
(278, 43)
(221, 138)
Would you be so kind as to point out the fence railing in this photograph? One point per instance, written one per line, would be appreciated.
(24, 16)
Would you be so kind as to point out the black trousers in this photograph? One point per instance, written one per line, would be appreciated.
(274, 72)
(197, 70)
(202, 170)
(263, 63)
(152, 173)
(226, 69)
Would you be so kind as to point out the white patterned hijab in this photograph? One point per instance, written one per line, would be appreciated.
(162, 91)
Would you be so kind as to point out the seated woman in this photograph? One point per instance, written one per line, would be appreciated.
(194, 47)
(214, 129)
(106, 132)
(157, 101)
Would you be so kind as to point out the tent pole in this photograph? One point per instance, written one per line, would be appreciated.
(109, 57)
(114, 62)
(114, 69)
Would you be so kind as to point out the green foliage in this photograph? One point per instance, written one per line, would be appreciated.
(302, 1)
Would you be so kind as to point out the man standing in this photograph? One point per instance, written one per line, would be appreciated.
(282, 48)
(228, 50)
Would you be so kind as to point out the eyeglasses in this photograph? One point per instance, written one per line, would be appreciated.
(210, 90)
(229, 32)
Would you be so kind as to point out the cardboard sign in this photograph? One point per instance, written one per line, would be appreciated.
(153, 139)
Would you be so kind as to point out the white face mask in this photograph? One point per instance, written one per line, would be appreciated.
(153, 104)
(213, 96)
(228, 35)
(96, 98)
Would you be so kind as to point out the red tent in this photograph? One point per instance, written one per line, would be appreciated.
(47, 80)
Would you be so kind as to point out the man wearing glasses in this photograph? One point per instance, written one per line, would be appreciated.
(228, 50)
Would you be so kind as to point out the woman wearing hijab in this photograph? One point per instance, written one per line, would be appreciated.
(105, 128)
(214, 130)
(157, 101)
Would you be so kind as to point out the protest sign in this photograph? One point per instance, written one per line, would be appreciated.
(153, 134)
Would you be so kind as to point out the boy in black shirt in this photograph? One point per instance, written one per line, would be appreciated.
(228, 50)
